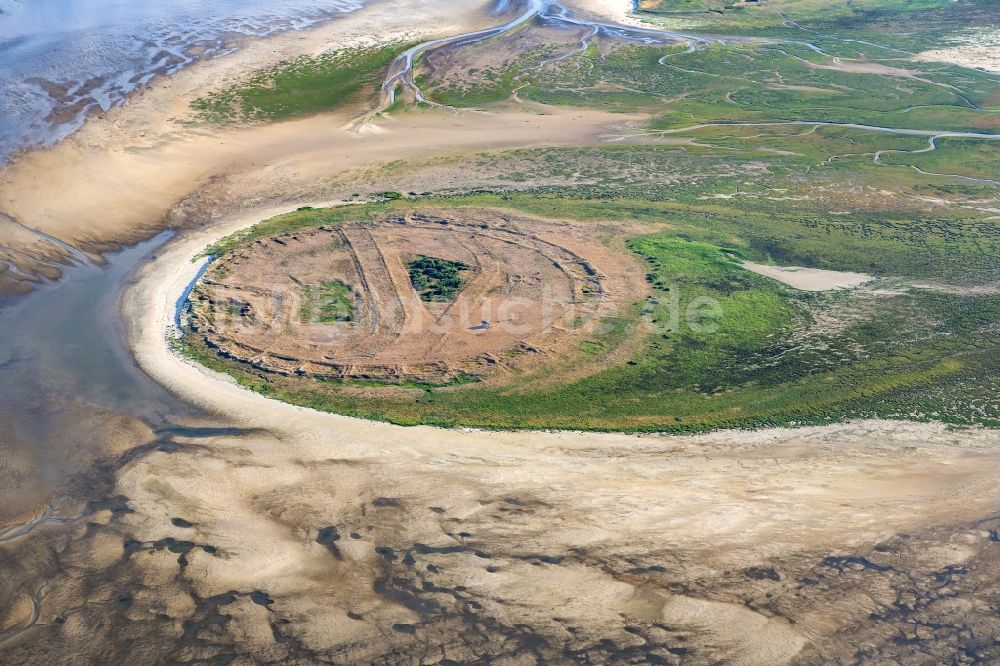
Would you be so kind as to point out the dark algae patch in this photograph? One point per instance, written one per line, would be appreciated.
(437, 280)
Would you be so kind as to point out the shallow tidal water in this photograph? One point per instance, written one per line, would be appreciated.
(68, 385)
(63, 59)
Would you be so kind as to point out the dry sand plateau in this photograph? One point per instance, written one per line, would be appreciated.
(809, 279)
(303, 537)
(531, 288)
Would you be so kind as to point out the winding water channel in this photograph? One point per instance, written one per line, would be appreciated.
(551, 11)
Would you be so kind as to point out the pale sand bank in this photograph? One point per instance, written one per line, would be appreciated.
(614, 11)
(809, 279)
(977, 48)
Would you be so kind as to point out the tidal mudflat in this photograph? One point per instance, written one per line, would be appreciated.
(62, 61)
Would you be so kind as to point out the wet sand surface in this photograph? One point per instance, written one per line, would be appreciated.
(162, 514)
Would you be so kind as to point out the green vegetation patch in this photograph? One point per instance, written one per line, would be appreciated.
(965, 158)
(754, 15)
(304, 86)
(435, 279)
(328, 302)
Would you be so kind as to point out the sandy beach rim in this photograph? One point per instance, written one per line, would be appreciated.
(149, 308)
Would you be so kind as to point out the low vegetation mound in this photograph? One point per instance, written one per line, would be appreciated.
(329, 301)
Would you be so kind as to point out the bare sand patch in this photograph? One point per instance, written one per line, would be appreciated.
(977, 48)
(806, 89)
(809, 279)
(749, 637)
(616, 11)
(865, 67)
